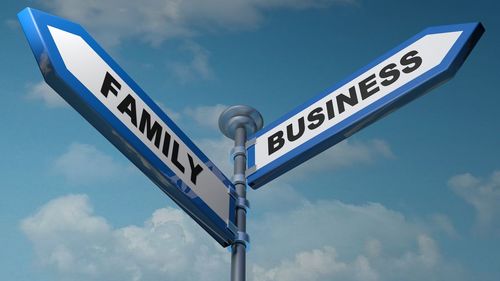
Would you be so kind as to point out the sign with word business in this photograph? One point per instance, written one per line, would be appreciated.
(396, 78)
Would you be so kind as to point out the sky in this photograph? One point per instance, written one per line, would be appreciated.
(414, 196)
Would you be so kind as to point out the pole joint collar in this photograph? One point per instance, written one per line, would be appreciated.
(238, 151)
(239, 179)
(243, 203)
(242, 238)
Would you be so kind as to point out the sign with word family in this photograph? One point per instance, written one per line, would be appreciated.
(79, 70)
(396, 78)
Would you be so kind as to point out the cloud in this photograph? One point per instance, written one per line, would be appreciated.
(317, 264)
(483, 195)
(85, 164)
(44, 93)
(197, 68)
(172, 114)
(443, 223)
(75, 244)
(154, 21)
(206, 115)
(347, 227)
(317, 241)
(331, 240)
(344, 154)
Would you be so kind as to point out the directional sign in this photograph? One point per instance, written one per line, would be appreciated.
(398, 77)
(77, 68)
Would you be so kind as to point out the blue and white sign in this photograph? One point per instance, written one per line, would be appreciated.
(77, 68)
(396, 78)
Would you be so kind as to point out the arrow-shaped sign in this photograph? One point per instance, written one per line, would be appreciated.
(77, 68)
(396, 78)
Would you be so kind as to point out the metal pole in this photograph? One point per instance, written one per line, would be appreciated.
(238, 255)
(237, 122)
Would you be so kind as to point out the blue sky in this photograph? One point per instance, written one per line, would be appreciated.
(414, 196)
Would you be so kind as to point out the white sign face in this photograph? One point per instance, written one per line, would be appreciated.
(372, 85)
(385, 85)
(93, 72)
(81, 72)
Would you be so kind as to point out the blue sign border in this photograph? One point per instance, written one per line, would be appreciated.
(34, 23)
(471, 32)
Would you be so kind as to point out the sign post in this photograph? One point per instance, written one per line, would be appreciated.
(79, 70)
(237, 122)
(391, 81)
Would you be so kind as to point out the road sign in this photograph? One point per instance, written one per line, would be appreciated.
(396, 78)
(77, 68)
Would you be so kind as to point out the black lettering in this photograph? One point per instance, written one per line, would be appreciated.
(289, 130)
(316, 117)
(366, 87)
(351, 100)
(329, 109)
(275, 142)
(128, 106)
(390, 73)
(151, 131)
(166, 144)
(175, 157)
(411, 58)
(107, 85)
(195, 170)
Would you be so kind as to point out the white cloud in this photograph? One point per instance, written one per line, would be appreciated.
(346, 242)
(344, 154)
(320, 241)
(174, 115)
(75, 244)
(346, 227)
(311, 265)
(206, 115)
(155, 21)
(197, 67)
(44, 93)
(483, 195)
(85, 164)
(316, 265)
(443, 223)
